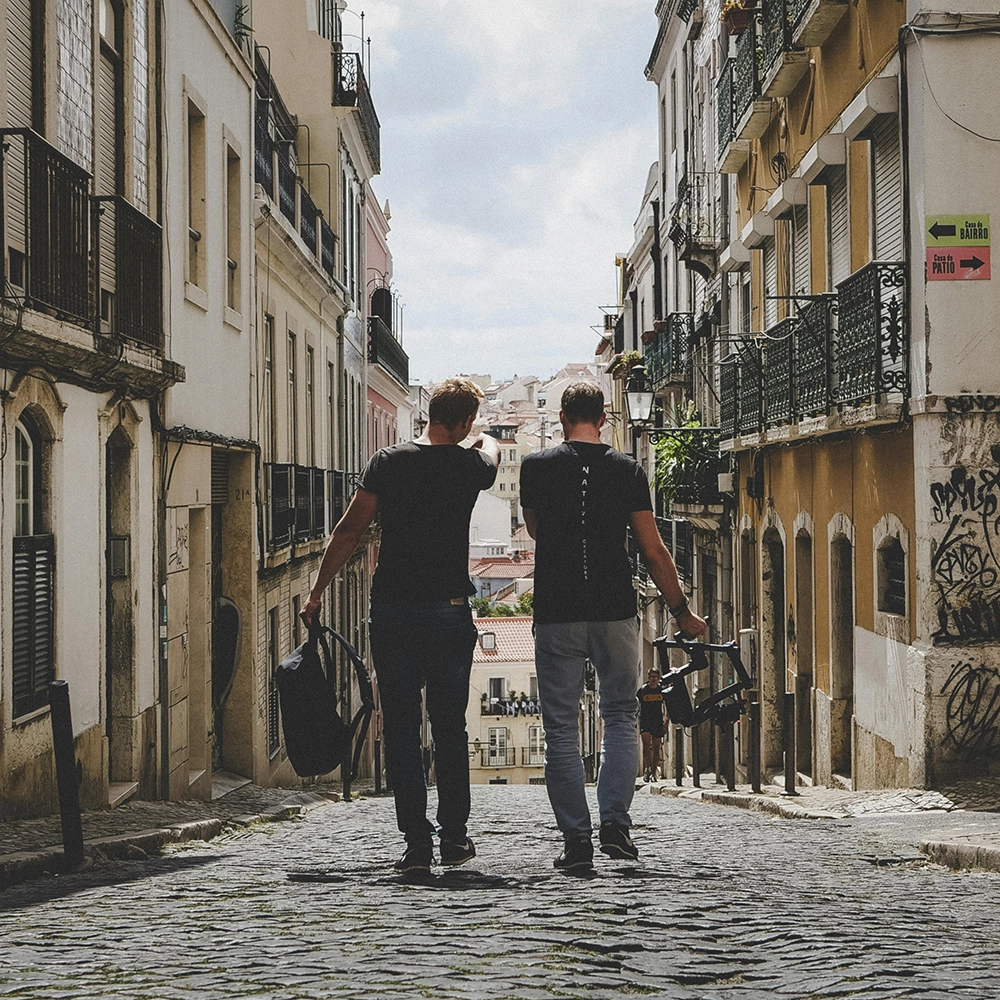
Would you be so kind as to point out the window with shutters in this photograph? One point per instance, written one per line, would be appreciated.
(770, 303)
(892, 577)
(536, 745)
(887, 189)
(292, 401)
(801, 278)
(267, 431)
(32, 578)
(311, 405)
(838, 229)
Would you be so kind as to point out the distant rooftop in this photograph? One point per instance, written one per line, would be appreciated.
(512, 638)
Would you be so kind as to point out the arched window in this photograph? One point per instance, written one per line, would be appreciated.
(892, 577)
(27, 458)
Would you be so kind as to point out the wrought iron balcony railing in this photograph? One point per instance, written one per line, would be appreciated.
(775, 34)
(778, 358)
(531, 757)
(337, 495)
(667, 356)
(280, 503)
(498, 757)
(746, 71)
(45, 222)
(750, 392)
(686, 8)
(309, 503)
(815, 344)
(328, 248)
(387, 352)
(510, 706)
(128, 271)
(296, 499)
(308, 221)
(873, 342)
(724, 107)
(696, 479)
(693, 228)
(350, 90)
(263, 153)
(286, 187)
(728, 396)
(620, 334)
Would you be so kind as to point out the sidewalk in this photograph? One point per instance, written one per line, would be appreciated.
(978, 850)
(33, 847)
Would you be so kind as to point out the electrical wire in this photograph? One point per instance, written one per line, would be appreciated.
(916, 32)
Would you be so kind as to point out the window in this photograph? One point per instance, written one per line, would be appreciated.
(892, 577)
(503, 487)
(838, 228)
(273, 721)
(267, 402)
(233, 228)
(533, 687)
(311, 405)
(33, 579)
(498, 756)
(497, 687)
(196, 194)
(331, 414)
(293, 403)
(673, 111)
(801, 279)
(887, 189)
(536, 745)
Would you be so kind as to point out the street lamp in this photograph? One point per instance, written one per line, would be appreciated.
(639, 400)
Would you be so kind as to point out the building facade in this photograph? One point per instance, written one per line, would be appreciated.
(843, 448)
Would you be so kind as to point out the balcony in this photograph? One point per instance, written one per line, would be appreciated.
(667, 356)
(813, 20)
(677, 536)
(732, 152)
(531, 757)
(337, 495)
(782, 62)
(750, 390)
(308, 221)
(693, 226)
(296, 500)
(620, 334)
(778, 359)
(350, 90)
(46, 232)
(729, 396)
(128, 272)
(815, 340)
(751, 113)
(387, 352)
(510, 706)
(263, 153)
(873, 345)
(498, 757)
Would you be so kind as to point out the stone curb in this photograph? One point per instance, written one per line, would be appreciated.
(22, 866)
(744, 800)
(962, 855)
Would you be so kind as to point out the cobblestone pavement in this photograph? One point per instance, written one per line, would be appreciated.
(726, 903)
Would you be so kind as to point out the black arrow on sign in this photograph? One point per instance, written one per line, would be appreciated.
(975, 263)
(937, 230)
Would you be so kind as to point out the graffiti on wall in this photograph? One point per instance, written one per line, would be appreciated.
(973, 709)
(965, 568)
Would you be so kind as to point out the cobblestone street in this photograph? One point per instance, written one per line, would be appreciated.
(726, 903)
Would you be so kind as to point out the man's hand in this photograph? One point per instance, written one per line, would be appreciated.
(690, 625)
(310, 609)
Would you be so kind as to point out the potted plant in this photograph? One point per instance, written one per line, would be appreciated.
(736, 15)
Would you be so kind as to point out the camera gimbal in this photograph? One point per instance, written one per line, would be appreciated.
(722, 708)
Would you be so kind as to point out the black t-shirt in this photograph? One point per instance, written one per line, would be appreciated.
(426, 493)
(582, 495)
(650, 710)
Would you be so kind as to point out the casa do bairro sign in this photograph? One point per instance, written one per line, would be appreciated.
(958, 247)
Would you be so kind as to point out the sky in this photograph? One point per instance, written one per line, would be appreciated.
(516, 140)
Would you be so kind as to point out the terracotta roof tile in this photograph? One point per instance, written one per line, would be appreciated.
(514, 641)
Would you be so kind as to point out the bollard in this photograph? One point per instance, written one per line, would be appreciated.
(695, 759)
(67, 775)
(727, 737)
(678, 756)
(753, 750)
(789, 734)
(378, 767)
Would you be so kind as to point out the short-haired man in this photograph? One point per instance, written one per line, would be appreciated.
(421, 626)
(579, 498)
(651, 706)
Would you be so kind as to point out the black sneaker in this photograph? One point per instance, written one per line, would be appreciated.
(453, 854)
(576, 854)
(416, 858)
(616, 843)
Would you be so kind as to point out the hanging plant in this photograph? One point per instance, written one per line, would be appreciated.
(680, 457)
(736, 15)
(624, 364)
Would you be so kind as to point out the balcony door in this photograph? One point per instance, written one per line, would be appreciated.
(887, 189)
(20, 114)
(108, 179)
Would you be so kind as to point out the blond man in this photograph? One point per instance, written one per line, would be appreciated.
(421, 627)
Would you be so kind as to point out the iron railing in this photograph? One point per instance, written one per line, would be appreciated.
(620, 334)
(302, 500)
(280, 503)
(327, 247)
(724, 107)
(532, 758)
(815, 343)
(797, 10)
(387, 352)
(693, 217)
(308, 221)
(263, 153)
(778, 358)
(678, 537)
(872, 340)
(350, 90)
(775, 33)
(510, 706)
(750, 392)
(686, 8)
(667, 356)
(728, 396)
(286, 186)
(318, 495)
(128, 259)
(338, 495)
(746, 71)
(498, 757)
(45, 224)
(695, 480)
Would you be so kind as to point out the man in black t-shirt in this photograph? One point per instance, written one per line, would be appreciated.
(650, 699)
(579, 499)
(421, 626)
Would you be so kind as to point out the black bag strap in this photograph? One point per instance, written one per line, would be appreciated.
(358, 727)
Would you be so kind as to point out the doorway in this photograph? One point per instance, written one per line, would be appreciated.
(772, 646)
(804, 630)
(841, 653)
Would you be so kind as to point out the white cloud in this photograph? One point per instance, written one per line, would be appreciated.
(516, 141)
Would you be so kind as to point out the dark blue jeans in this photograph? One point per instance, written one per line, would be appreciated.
(415, 644)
